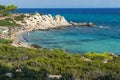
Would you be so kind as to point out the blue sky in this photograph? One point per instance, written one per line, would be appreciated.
(63, 3)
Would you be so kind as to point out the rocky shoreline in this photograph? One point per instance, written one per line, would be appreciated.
(40, 21)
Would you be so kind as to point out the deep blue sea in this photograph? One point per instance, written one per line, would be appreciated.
(103, 37)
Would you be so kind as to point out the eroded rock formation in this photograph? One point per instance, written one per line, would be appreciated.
(38, 21)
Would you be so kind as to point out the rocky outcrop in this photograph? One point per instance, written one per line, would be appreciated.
(90, 24)
(38, 21)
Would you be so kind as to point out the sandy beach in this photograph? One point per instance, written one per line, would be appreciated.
(18, 39)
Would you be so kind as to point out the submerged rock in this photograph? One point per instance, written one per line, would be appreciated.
(83, 24)
(35, 46)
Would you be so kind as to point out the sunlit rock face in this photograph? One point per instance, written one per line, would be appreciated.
(38, 21)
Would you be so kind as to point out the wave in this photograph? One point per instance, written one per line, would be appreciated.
(103, 27)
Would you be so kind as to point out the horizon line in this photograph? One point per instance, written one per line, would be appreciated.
(72, 8)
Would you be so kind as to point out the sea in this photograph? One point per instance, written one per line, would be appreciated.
(103, 37)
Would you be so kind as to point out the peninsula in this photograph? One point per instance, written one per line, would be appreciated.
(30, 22)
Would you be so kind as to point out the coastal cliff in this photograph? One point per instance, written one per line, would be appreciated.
(38, 21)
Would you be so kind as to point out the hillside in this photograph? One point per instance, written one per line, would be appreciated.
(38, 64)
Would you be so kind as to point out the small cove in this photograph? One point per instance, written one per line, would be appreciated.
(76, 40)
(104, 37)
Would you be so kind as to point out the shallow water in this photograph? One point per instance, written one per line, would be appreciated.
(78, 40)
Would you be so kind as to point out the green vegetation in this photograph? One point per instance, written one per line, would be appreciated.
(8, 22)
(93, 55)
(6, 10)
(8, 19)
(3, 41)
(37, 63)
(20, 18)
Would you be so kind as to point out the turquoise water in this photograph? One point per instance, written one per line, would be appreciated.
(103, 37)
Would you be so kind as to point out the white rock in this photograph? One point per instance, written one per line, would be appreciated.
(38, 21)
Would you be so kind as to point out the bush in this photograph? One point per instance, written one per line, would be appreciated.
(3, 41)
(20, 17)
(8, 22)
(101, 56)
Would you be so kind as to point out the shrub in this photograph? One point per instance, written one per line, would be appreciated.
(101, 56)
